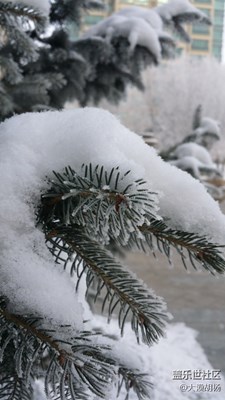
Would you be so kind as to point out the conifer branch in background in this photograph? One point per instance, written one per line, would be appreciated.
(92, 67)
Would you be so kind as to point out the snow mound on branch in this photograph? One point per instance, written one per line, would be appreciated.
(176, 8)
(149, 15)
(192, 165)
(210, 126)
(193, 150)
(136, 30)
(42, 5)
(32, 145)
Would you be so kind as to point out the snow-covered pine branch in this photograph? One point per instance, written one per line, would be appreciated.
(79, 210)
(177, 12)
(100, 64)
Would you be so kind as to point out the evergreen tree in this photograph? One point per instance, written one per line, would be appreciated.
(87, 213)
(42, 68)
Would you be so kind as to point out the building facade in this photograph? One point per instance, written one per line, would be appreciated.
(218, 28)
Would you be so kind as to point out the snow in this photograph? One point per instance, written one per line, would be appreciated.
(149, 15)
(37, 143)
(192, 165)
(144, 27)
(42, 5)
(34, 284)
(136, 30)
(174, 8)
(193, 150)
(188, 163)
(210, 126)
(176, 12)
(179, 351)
(32, 145)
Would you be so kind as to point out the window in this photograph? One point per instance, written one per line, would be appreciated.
(200, 44)
(200, 29)
(218, 35)
(218, 17)
(219, 5)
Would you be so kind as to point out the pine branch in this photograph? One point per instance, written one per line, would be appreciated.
(14, 388)
(105, 203)
(19, 40)
(199, 249)
(79, 362)
(6, 103)
(110, 207)
(31, 90)
(10, 70)
(71, 368)
(147, 311)
(71, 10)
(112, 67)
(138, 382)
(20, 10)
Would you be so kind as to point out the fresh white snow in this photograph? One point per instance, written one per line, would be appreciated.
(210, 126)
(148, 15)
(174, 8)
(144, 27)
(136, 30)
(34, 144)
(193, 150)
(194, 166)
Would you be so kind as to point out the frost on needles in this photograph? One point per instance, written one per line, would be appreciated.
(76, 185)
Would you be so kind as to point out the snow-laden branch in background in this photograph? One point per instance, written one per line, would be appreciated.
(153, 19)
(144, 27)
(176, 12)
(134, 29)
